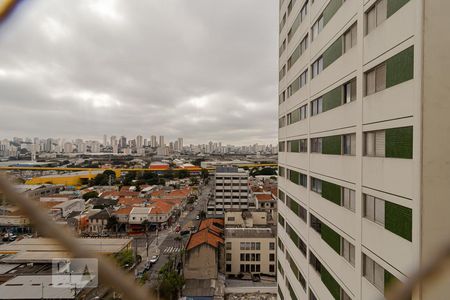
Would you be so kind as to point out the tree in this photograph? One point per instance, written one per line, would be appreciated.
(205, 173)
(183, 174)
(193, 181)
(265, 171)
(89, 195)
(202, 214)
(170, 282)
(112, 223)
(129, 177)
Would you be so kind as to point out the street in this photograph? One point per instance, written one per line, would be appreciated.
(167, 244)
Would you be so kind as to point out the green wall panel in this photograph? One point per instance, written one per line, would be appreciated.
(332, 99)
(394, 5)
(330, 10)
(330, 283)
(331, 238)
(400, 67)
(295, 146)
(399, 142)
(332, 53)
(398, 219)
(332, 192)
(389, 280)
(331, 145)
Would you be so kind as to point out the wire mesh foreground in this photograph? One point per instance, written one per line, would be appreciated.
(109, 273)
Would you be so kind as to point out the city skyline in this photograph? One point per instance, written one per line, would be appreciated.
(70, 73)
(132, 137)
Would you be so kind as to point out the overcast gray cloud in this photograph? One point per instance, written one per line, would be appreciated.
(200, 69)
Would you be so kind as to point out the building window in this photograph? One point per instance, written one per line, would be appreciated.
(228, 257)
(375, 143)
(348, 199)
(282, 122)
(282, 97)
(228, 245)
(242, 268)
(316, 145)
(349, 91)
(393, 217)
(316, 28)
(271, 268)
(317, 67)
(376, 15)
(281, 172)
(374, 209)
(350, 37)
(228, 268)
(392, 142)
(349, 144)
(316, 106)
(281, 146)
(280, 245)
(376, 79)
(271, 257)
(282, 73)
(348, 251)
(271, 246)
(231, 219)
(373, 272)
(282, 47)
(316, 185)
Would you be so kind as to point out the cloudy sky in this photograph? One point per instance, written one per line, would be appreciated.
(200, 69)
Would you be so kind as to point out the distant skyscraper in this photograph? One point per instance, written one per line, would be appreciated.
(161, 141)
(113, 141)
(180, 143)
(122, 142)
(153, 141)
(139, 141)
(105, 140)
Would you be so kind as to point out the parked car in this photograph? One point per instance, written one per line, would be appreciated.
(9, 237)
(154, 259)
(197, 217)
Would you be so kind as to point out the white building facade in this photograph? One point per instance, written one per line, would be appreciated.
(231, 191)
(361, 101)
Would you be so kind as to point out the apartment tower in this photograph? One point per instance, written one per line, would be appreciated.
(231, 191)
(364, 145)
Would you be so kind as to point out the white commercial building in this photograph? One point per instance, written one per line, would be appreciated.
(363, 146)
(231, 191)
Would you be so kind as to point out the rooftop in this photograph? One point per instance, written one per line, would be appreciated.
(45, 249)
(249, 233)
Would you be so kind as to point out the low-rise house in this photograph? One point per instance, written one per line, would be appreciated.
(139, 215)
(98, 222)
(203, 263)
(102, 202)
(63, 209)
(13, 218)
(124, 201)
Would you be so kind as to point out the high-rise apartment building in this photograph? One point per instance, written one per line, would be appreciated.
(363, 145)
(161, 141)
(139, 141)
(231, 190)
(153, 142)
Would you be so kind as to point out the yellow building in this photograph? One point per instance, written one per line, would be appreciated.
(74, 178)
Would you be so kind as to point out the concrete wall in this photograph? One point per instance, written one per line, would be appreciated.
(201, 263)
(435, 221)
